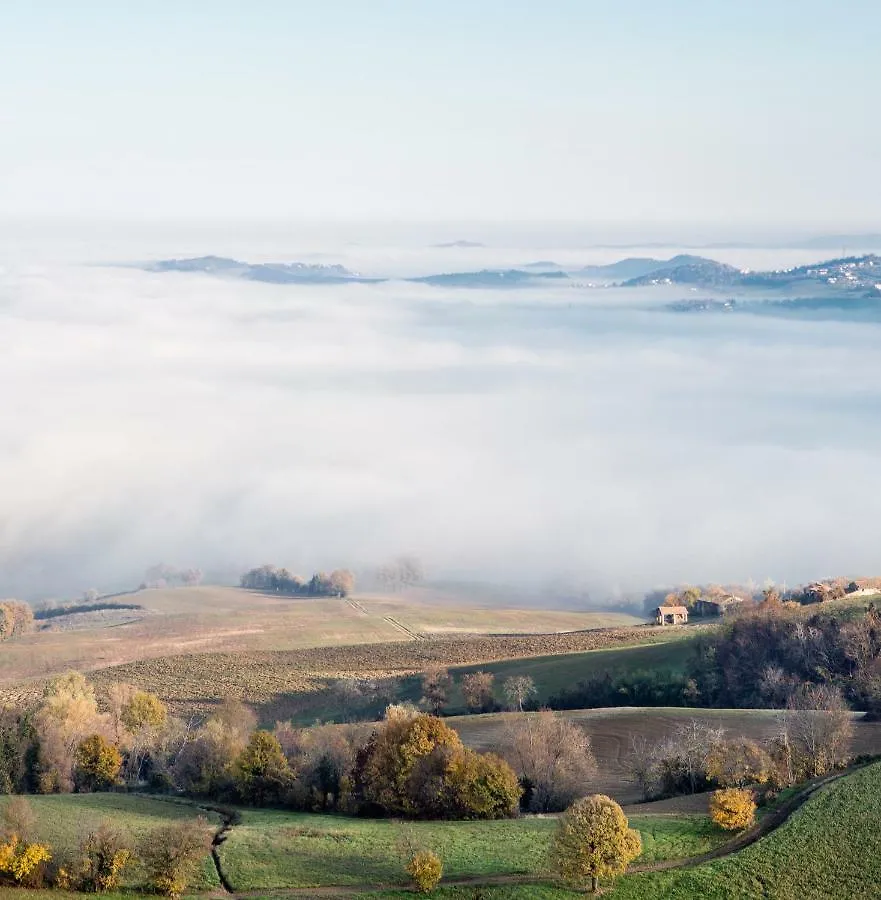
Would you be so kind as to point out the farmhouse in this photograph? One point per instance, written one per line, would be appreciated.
(671, 615)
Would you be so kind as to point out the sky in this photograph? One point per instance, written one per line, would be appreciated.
(558, 435)
(756, 115)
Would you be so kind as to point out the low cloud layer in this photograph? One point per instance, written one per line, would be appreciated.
(531, 436)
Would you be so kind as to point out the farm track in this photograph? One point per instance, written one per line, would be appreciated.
(764, 827)
(405, 629)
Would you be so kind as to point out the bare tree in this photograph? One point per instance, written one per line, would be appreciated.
(518, 689)
(553, 758)
(819, 726)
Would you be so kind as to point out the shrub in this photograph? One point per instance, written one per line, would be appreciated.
(425, 868)
(97, 764)
(172, 854)
(103, 857)
(593, 841)
(18, 818)
(733, 808)
(22, 862)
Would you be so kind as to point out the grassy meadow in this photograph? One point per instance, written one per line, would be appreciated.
(272, 849)
(63, 820)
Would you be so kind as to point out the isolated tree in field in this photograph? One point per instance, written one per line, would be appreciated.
(18, 819)
(98, 764)
(262, 774)
(518, 689)
(436, 684)
(593, 841)
(477, 691)
(553, 758)
(426, 869)
(733, 808)
(173, 853)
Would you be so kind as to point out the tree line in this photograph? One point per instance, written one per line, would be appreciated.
(339, 583)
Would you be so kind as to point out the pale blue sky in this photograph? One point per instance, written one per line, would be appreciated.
(682, 111)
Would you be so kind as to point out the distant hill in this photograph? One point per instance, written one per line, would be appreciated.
(459, 245)
(637, 267)
(501, 278)
(271, 273)
(852, 273)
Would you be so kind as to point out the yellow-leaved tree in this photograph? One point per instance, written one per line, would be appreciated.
(733, 808)
(593, 840)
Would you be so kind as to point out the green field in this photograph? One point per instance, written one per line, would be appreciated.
(277, 849)
(552, 674)
(830, 848)
(63, 820)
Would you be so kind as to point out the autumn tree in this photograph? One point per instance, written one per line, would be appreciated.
(593, 841)
(552, 756)
(98, 764)
(67, 715)
(518, 689)
(425, 868)
(143, 716)
(104, 855)
(477, 691)
(738, 763)
(342, 582)
(436, 684)
(733, 808)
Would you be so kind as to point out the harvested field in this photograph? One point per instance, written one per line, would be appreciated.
(198, 681)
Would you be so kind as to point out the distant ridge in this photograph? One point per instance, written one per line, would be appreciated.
(462, 245)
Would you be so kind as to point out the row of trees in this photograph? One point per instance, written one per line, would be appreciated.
(339, 583)
(477, 689)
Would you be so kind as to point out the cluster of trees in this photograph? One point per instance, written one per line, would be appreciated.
(765, 656)
(15, 619)
(169, 855)
(812, 739)
(162, 575)
(339, 583)
(403, 572)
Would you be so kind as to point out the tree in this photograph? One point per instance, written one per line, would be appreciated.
(477, 691)
(97, 764)
(436, 684)
(385, 765)
(173, 853)
(733, 808)
(553, 758)
(819, 727)
(18, 819)
(479, 786)
(517, 690)
(104, 856)
(67, 715)
(738, 762)
(426, 869)
(593, 841)
(342, 582)
(143, 716)
(262, 775)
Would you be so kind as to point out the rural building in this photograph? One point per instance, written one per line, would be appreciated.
(716, 606)
(671, 615)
